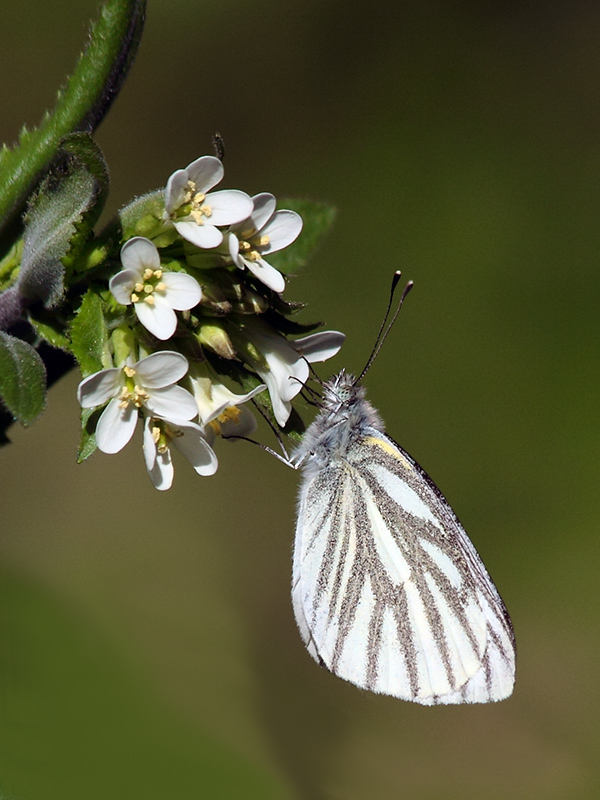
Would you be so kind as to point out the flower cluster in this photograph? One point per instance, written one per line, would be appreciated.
(193, 272)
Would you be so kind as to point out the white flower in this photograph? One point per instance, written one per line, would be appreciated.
(213, 397)
(149, 383)
(194, 212)
(187, 437)
(265, 231)
(155, 294)
(233, 422)
(287, 362)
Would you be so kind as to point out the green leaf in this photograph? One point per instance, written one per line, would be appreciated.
(22, 379)
(60, 218)
(96, 81)
(48, 328)
(87, 443)
(318, 219)
(89, 336)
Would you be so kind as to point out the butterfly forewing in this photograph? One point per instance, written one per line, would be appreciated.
(389, 593)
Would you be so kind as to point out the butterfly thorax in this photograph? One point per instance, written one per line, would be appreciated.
(345, 418)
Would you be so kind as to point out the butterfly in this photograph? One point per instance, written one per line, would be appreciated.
(388, 591)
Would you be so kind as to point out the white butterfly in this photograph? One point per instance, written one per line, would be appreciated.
(388, 591)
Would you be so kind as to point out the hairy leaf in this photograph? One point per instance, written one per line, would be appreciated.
(22, 379)
(60, 218)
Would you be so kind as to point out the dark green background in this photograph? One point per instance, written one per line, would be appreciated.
(147, 643)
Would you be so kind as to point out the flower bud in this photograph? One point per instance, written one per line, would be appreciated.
(214, 336)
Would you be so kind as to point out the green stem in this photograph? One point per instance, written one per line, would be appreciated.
(89, 93)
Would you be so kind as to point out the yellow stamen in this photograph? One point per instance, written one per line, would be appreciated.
(160, 287)
(216, 426)
(134, 297)
(139, 287)
(149, 300)
(148, 274)
(231, 414)
(129, 371)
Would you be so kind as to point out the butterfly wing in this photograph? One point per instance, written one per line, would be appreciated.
(388, 591)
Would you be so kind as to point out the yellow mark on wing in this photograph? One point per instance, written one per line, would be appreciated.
(390, 449)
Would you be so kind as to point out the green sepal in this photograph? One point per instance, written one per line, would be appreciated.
(142, 217)
(89, 93)
(317, 219)
(287, 326)
(22, 379)
(89, 334)
(60, 217)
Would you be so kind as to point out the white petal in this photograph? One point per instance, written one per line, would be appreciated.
(183, 291)
(161, 369)
(99, 387)
(290, 371)
(148, 444)
(121, 285)
(244, 425)
(196, 449)
(173, 402)
(139, 254)
(282, 230)
(159, 465)
(175, 190)
(263, 209)
(205, 236)
(162, 472)
(319, 346)
(213, 398)
(205, 172)
(228, 206)
(296, 380)
(266, 274)
(233, 244)
(115, 426)
(281, 408)
(159, 318)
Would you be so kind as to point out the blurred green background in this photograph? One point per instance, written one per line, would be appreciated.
(147, 643)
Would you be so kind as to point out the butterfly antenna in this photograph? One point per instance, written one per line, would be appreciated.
(385, 328)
